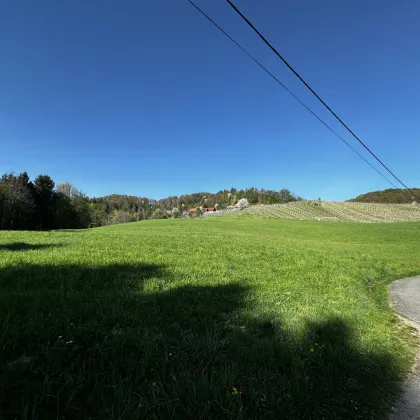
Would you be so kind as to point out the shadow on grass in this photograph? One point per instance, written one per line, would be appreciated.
(70, 230)
(122, 342)
(23, 246)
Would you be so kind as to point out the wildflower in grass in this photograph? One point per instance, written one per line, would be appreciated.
(154, 384)
(235, 391)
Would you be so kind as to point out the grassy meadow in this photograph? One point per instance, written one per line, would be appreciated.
(216, 318)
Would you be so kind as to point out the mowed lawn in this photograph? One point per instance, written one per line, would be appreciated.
(236, 318)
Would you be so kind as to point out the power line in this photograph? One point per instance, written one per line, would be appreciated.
(289, 91)
(316, 95)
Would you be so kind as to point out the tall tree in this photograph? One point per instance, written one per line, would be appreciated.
(81, 210)
(44, 199)
(17, 206)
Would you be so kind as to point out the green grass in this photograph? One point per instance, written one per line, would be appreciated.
(204, 319)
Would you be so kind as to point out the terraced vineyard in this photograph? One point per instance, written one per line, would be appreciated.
(340, 211)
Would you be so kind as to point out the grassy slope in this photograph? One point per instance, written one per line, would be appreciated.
(207, 318)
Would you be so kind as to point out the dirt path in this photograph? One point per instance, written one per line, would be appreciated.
(405, 298)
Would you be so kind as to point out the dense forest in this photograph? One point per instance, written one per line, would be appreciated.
(391, 195)
(42, 205)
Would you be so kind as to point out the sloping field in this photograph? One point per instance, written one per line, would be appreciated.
(354, 212)
(214, 318)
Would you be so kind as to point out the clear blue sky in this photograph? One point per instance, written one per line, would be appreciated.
(148, 98)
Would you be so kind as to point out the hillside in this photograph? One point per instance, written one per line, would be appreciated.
(41, 204)
(140, 208)
(391, 195)
(333, 211)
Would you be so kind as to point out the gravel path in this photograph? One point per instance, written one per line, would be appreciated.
(405, 297)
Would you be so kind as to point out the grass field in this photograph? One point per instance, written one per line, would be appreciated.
(204, 319)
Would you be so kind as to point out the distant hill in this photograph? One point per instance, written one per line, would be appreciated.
(128, 208)
(391, 195)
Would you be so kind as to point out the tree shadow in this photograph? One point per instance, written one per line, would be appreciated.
(125, 341)
(23, 246)
(70, 230)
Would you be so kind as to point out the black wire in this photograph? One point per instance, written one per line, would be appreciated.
(317, 96)
(289, 91)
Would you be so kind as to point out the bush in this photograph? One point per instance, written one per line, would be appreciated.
(122, 217)
(161, 214)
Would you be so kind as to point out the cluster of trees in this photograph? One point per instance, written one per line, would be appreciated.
(41, 205)
(225, 198)
(391, 195)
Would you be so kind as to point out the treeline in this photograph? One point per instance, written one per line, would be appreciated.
(391, 195)
(42, 205)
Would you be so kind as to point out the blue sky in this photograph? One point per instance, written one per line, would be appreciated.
(148, 98)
